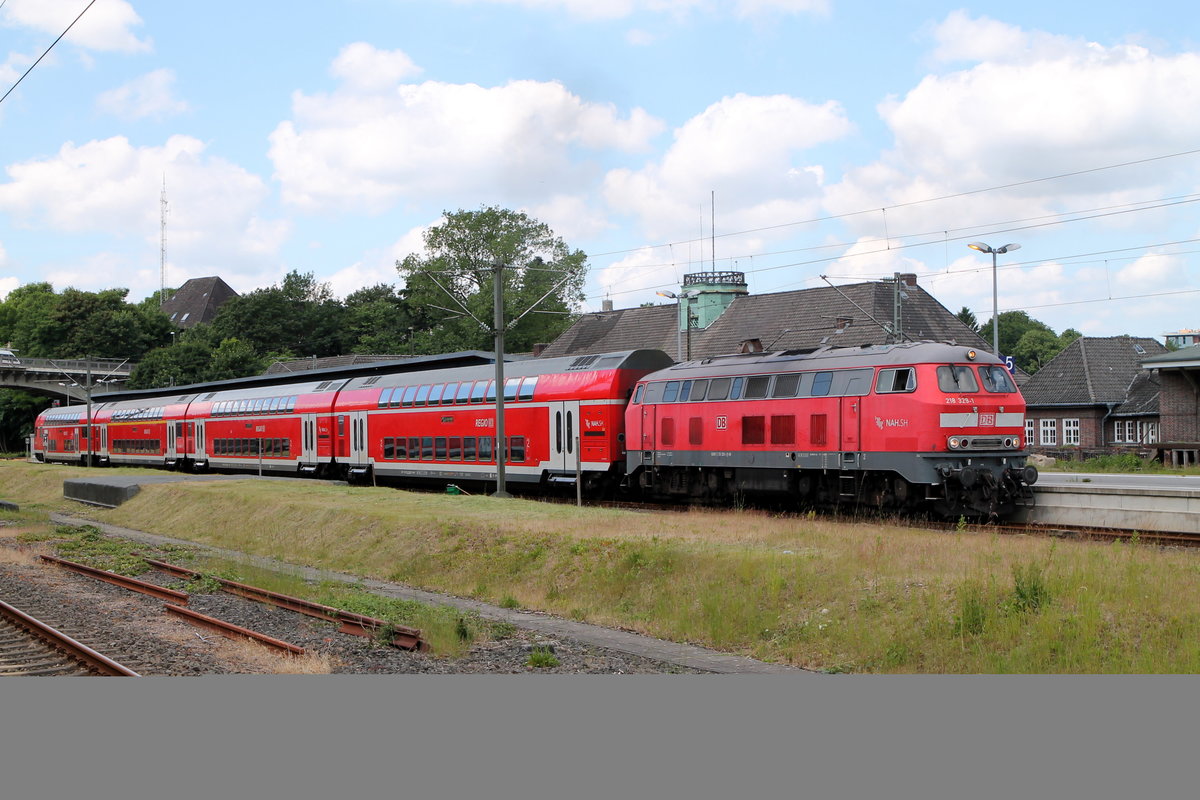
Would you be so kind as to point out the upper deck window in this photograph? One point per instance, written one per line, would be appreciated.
(956, 379)
(527, 387)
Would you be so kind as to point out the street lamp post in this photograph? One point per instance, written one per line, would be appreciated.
(686, 316)
(983, 248)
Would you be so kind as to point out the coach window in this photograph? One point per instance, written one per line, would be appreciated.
(468, 448)
(637, 396)
(291, 406)
(786, 385)
(510, 388)
(699, 389)
(435, 394)
(384, 396)
(464, 392)
(756, 387)
(670, 391)
(422, 396)
(485, 448)
(410, 394)
(479, 391)
(414, 448)
(426, 448)
(491, 392)
(401, 451)
(389, 448)
(903, 379)
(956, 379)
(718, 388)
(439, 448)
(527, 387)
(995, 378)
(516, 449)
(455, 452)
(821, 383)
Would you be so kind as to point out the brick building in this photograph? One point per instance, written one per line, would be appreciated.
(1179, 404)
(1095, 397)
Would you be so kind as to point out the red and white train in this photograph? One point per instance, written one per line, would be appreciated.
(910, 426)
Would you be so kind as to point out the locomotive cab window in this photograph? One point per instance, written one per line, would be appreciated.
(956, 379)
(637, 396)
(903, 379)
(996, 379)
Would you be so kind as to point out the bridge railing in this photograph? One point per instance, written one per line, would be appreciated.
(101, 366)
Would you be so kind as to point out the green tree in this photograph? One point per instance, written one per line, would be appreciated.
(18, 410)
(177, 365)
(1013, 325)
(234, 359)
(77, 324)
(457, 268)
(299, 317)
(1035, 349)
(378, 320)
(967, 317)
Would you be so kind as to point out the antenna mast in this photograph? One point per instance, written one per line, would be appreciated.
(162, 247)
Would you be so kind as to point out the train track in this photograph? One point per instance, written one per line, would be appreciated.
(29, 646)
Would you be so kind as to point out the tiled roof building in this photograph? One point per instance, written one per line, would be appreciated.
(197, 301)
(1095, 394)
(726, 319)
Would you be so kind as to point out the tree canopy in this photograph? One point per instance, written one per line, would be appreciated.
(453, 281)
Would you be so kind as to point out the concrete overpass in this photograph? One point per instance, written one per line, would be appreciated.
(65, 378)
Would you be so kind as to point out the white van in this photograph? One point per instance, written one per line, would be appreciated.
(8, 358)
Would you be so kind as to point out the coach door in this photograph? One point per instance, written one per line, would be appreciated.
(308, 440)
(358, 437)
(564, 430)
(174, 434)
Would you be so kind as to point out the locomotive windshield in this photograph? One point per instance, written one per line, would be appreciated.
(996, 379)
(956, 379)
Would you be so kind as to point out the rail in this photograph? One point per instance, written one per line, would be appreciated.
(95, 661)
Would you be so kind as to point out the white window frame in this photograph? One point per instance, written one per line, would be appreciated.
(1118, 432)
(1070, 430)
(1049, 437)
(1130, 431)
(1030, 431)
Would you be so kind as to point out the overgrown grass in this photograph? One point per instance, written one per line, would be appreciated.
(1120, 463)
(822, 594)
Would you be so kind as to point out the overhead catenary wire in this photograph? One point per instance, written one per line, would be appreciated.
(43, 55)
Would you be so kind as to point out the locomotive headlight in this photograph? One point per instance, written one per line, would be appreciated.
(1017, 442)
(971, 355)
(953, 442)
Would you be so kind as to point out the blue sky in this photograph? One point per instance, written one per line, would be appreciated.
(831, 138)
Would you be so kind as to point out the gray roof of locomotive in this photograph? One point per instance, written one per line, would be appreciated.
(882, 355)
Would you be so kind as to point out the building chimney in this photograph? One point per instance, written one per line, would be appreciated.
(606, 305)
(841, 323)
(908, 278)
(751, 346)
(540, 348)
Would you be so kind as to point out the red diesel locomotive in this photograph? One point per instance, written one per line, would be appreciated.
(904, 426)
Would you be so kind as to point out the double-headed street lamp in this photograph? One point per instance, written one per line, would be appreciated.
(983, 248)
(685, 315)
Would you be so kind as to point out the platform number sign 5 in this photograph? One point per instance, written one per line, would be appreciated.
(1010, 364)
(722, 423)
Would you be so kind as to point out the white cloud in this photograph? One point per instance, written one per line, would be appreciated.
(368, 145)
(111, 187)
(6, 286)
(743, 148)
(619, 9)
(151, 95)
(106, 26)
(367, 68)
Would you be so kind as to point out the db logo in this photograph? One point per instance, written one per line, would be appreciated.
(987, 420)
(722, 423)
